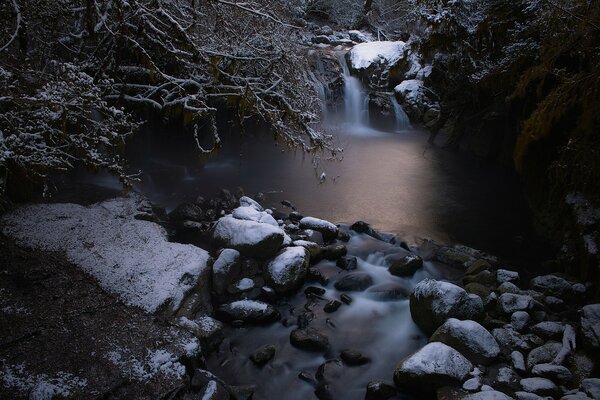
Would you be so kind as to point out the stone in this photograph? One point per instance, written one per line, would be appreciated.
(347, 263)
(354, 282)
(528, 396)
(363, 227)
(330, 371)
(470, 338)
(208, 330)
(405, 266)
(353, 358)
(313, 248)
(487, 395)
(508, 287)
(543, 354)
(433, 302)
(246, 201)
(508, 303)
(548, 330)
(226, 270)
(519, 320)
(309, 339)
(326, 228)
(472, 385)
(241, 392)
(255, 239)
(388, 291)
(518, 361)
(505, 379)
(556, 373)
(357, 36)
(332, 306)
(478, 289)
(591, 387)
(539, 386)
(552, 285)
(379, 390)
(345, 298)
(484, 277)
(263, 355)
(251, 311)
(333, 251)
(504, 275)
(186, 212)
(478, 266)
(431, 367)
(287, 271)
(590, 326)
(314, 290)
(509, 340)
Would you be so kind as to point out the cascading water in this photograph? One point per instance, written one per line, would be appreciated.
(356, 100)
(402, 120)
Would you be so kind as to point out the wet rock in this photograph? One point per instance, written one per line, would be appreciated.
(288, 270)
(332, 306)
(347, 263)
(307, 377)
(388, 291)
(557, 373)
(508, 303)
(432, 366)
(549, 330)
(313, 248)
(295, 216)
(353, 358)
(255, 239)
(354, 282)
(543, 354)
(345, 298)
(405, 265)
(363, 227)
(539, 386)
(470, 338)
(333, 251)
(590, 326)
(186, 212)
(484, 277)
(591, 387)
(478, 289)
(226, 270)
(504, 275)
(330, 371)
(314, 290)
(519, 320)
(263, 355)
(455, 257)
(551, 285)
(309, 339)
(324, 392)
(326, 228)
(251, 311)
(245, 392)
(433, 302)
(379, 390)
(478, 266)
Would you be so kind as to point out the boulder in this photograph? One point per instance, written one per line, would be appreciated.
(431, 367)
(263, 355)
(248, 213)
(251, 311)
(557, 373)
(358, 36)
(226, 270)
(508, 303)
(539, 386)
(354, 282)
(504, 275)
(246, 201)
(309, 339)
(548, 330)
(186, 212)
(591, 387)
(470, 338)
(287, 271)
(405, 265)
(543, 354)
(418, 103)
(326, 228)
(255, 239)
(519, 320)
(433, 302)
(552, 285)
(590, 326)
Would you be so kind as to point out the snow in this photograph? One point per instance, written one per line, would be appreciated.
(238, 232)
(225, 259)
(245, 284)
(317, 224)
(470, 338)
(289, 260)
(249, 305)
(40, 386)
(157, 362)
(437, 359)
(129, 257)
(411, 90)
(444, 294)
(211, 389)
(363, 55)
(246, 201)
(251, 214)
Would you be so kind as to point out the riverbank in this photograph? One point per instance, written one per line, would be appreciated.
(290, 297)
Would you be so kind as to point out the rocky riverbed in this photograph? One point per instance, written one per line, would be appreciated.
(286, 306)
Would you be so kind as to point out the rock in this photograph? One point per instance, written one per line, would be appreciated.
(246, 201)
(539, 386)
(358, 36)
(251, 311)
(484, 277)
(472, 385)
(347, 263)
(519, 320)
(432, 302)
(552, 285)
(288, 270)
(325, 30)
(557, 373)
(353, 358)
(470, 338)
(478, 289)
(320, 39)
(581, 366)
(186, 212)
(518, 361)
(226, 270)
(508, 287)
(201, 377)
(487, 395)
(345, 298)
(509, 340)
(478, 266)
(354, 282)
(363, 227)
(244, 392)
(591, 387)
(505, 379)
(263, 355)
(543, 354)
(332, 306)
(309, 339)
(388, 291)
(549, 330)
(330, 371)
(333, 251)
(504, 275)
(255, 239)
(432, 366)
(248, 213)
(314, 290)
(214, 391)
(326, 228)
(379, 390)
(508, 303)
(528, 396)
(590, 326)
(313, 248)
(554, 303)
(207, 329)
(406, 265)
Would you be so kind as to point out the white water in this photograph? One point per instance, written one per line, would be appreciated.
(356, 100)
(402, 120)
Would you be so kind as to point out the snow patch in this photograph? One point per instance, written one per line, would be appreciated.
(157, 362)
(40, 386)
(282, 265)
(363, 55)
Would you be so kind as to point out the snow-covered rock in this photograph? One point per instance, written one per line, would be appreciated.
(590, 325)
(505, 275)
(364, 55)
(543, 354)
(487, 395)
(287, 271)
(256, 239)
(552, 285)
(432, 366)
(470, 338)
(251, 214)
(129, 257)
(358, 36)
(251, 311)
(591, 387)
(246, 201)
(508, 303)
(417, 101)
(433, 302)
(226, 270)
(327, 229)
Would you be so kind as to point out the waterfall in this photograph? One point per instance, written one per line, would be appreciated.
(356, 100)
(402, 121)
